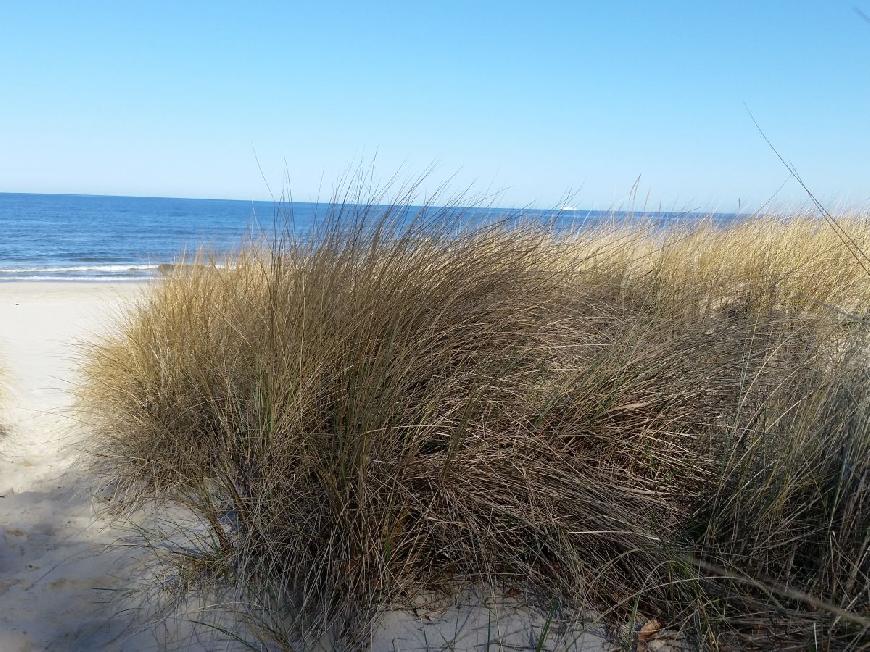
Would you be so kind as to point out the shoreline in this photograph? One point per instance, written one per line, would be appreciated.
(80, 281)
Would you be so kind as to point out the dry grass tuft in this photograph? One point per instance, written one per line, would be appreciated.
(628, 420)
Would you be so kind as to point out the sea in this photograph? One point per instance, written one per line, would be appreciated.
(108, 238)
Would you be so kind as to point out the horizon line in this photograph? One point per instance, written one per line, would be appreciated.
(274, 202)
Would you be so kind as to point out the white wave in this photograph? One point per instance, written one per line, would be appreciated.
(59, 279)
(107, 268)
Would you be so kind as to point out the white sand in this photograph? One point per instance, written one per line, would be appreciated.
(59, 584)
(53, 573)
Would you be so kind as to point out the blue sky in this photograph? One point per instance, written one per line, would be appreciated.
(532, 99)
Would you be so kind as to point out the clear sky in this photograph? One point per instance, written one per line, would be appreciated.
(530, 98)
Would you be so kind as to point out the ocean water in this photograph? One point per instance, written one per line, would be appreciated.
(87, 237)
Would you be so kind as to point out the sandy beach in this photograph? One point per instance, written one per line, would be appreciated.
(55, 575)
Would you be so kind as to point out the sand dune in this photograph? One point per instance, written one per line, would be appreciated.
(60, 577)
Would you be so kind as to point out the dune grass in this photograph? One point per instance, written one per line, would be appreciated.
(618, 419)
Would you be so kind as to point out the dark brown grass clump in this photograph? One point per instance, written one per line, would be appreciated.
(620, 420)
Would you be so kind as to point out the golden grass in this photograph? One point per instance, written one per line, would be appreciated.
(616, 419)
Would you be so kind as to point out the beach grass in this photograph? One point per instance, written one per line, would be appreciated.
(635, 422)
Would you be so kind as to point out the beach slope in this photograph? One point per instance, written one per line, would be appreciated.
(56, 577)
